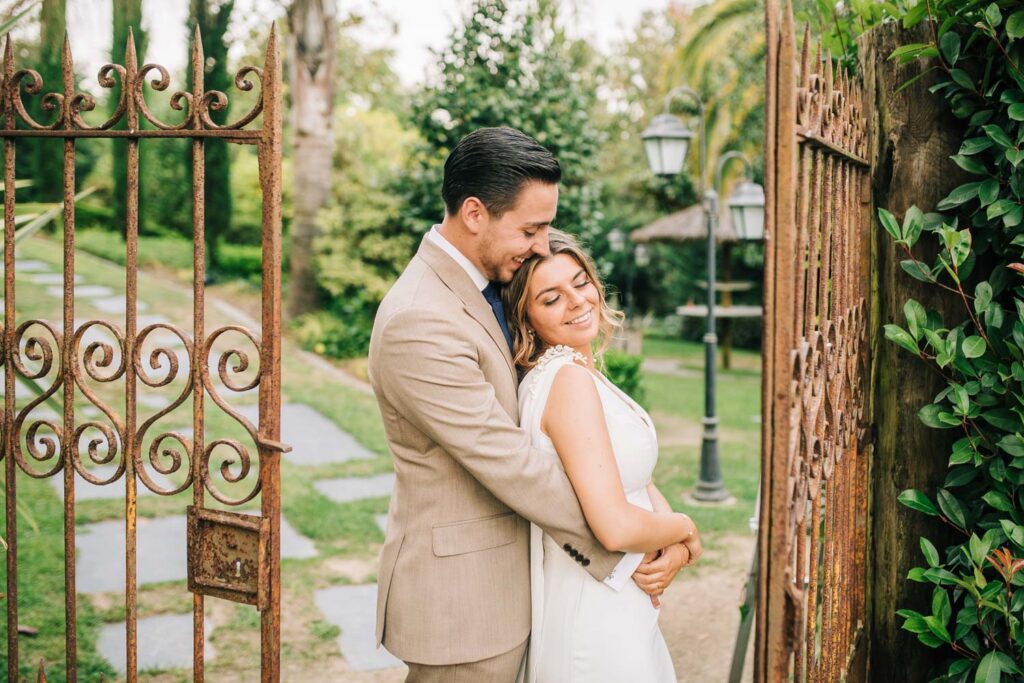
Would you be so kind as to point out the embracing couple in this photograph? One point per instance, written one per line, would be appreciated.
(526, 540)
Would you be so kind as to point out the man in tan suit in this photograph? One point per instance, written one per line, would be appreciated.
(454, 582)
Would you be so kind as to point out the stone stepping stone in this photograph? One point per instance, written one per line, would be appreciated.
(348, 489)
(160, 337)
(382, 523)
(29, 265)
(164, 642)
(314, 438)
(83, 292)
(115, 304)
(160, 550)
(353, 609)
(86, 490)
(51, 278)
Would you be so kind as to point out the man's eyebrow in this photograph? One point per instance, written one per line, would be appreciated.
(545, 291)
(536, 224)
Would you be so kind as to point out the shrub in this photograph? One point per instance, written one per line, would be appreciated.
(328, 334)
(623, 370)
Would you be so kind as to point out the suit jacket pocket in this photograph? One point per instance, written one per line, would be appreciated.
(470, 536)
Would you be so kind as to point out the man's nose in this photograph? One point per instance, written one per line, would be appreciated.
(540, 243)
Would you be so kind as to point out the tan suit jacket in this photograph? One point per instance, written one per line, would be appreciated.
(454, 582)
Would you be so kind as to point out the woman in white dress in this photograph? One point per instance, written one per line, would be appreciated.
(584, 631)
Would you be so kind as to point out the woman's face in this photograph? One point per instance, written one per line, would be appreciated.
(564, 306)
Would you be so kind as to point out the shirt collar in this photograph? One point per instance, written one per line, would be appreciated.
(475, 275)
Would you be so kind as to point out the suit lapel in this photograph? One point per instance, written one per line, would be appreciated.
(457, 279)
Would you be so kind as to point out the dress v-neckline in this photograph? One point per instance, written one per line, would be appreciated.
(630, 403)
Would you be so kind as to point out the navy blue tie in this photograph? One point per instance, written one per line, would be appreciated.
(492, 292)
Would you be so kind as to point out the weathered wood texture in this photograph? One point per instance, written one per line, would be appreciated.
(912, 138)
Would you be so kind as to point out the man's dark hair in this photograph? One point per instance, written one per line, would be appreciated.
(493, 164)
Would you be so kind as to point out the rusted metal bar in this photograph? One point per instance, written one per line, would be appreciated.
(11, 523)
(270, 354)
(132, 461)
(231, 135)
(199, 334)
(70, 592)
(771, 9)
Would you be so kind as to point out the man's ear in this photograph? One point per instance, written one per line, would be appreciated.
(474, 215)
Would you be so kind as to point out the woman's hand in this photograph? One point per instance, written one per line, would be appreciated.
(655, 574)
(695, 547)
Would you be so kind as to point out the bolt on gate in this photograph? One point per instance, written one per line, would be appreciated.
(230, 555)
(816, 438)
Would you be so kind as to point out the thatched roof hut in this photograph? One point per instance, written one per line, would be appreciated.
(686, 225)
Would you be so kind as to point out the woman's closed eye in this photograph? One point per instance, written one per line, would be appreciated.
(579, 285)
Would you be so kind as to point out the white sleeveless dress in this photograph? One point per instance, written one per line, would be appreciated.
(583, 631)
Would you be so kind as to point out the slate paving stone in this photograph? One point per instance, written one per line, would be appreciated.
(83, 292)
(115, 304)
(348, 489)
(51, 278)
(164, 642)
(28, 265)
(86, 490)
(160, 552)
(161, 336)
(353, 609)
(314, 438)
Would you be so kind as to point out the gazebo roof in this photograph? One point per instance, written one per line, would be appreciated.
(686, 225)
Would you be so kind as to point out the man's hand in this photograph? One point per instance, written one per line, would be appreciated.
(657, 570)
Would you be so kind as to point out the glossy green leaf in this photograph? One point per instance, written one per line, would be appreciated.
(960, 195)
(982, 297)
(974, 145)
(951, 508)
(916, 318)
(915, 500)
(1012, 444)
(890, 224)
(998, 501)
(950, 46)
(1015, 25)
(989, 670)
(901, 337)
(974, 347)
(998, 135)
(931, 555)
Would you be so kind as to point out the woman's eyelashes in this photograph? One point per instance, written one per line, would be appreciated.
(579, 285)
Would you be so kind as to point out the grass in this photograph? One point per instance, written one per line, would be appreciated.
(346, 536)
(677, 404)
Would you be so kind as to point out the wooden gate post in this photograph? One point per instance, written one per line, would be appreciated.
(912, 137)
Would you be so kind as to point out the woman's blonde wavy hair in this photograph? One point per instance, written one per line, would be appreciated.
(527, 348)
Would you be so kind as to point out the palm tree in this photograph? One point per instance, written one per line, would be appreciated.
(721, 54)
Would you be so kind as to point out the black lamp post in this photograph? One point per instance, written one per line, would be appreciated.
(666, 142)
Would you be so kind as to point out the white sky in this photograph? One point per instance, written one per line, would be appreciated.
(421, 24)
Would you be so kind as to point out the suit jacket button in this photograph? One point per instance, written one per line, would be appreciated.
(586, 561)
(574, 553)
(566, 547)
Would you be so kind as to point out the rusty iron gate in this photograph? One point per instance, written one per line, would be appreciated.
(230, 555)
(813, 535)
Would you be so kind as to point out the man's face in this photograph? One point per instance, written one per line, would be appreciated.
(520, 233)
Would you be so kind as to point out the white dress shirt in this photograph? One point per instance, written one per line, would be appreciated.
(623, 571)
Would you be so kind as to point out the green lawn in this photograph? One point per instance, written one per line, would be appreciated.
(677, 404)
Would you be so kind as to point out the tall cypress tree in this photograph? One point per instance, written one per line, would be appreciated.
(212, 18)
(43, 158)
(127, 14)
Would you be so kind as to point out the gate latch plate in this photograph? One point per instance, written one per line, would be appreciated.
(227, 555)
